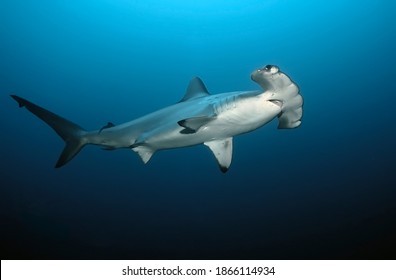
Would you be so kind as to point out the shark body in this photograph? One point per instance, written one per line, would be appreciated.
(198, 118)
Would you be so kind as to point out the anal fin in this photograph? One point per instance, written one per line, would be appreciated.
(222, 150)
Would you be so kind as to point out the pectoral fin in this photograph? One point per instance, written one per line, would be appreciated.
(192, 125)
(145, 152)
(222, 150)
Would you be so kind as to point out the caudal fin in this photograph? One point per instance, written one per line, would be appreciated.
(71, 133)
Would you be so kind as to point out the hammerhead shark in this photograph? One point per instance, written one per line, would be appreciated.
(198, 118)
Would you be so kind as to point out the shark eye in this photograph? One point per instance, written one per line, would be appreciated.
(268, 67)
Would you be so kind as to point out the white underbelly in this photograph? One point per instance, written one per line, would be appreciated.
(228, 123)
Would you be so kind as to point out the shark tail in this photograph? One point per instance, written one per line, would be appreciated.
(71, 133)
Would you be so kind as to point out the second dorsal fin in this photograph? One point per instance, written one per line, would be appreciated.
(108, 125)
(195, 89)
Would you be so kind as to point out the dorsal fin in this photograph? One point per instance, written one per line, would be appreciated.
(195, 89)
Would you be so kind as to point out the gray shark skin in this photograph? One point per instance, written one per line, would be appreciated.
(198, 118)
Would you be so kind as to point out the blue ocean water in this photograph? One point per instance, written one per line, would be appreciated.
(325, 190)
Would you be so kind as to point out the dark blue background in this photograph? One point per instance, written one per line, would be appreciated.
(325, 190)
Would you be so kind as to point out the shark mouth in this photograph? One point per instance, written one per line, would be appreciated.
(276, 102)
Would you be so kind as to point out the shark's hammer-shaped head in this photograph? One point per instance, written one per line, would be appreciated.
(270, 77)
(281, 90)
